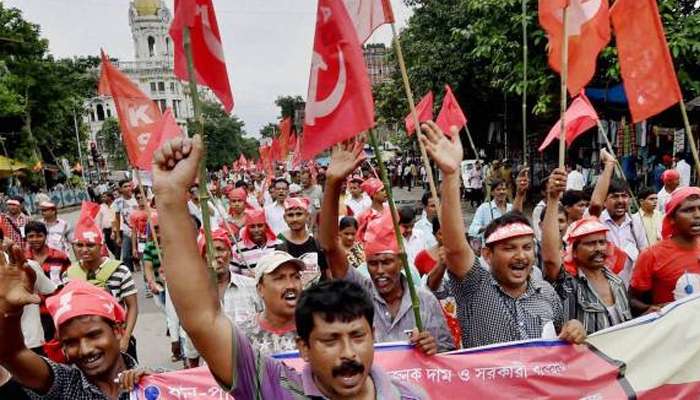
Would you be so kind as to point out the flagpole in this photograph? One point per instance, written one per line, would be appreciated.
(471, 142)
(564, 73)
(415, 305)
(416, 121)
(199, 123)
(524, 16)
(691, 140)
(149, 213)
(618, 170)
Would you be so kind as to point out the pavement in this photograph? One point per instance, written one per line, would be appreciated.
(153, 346)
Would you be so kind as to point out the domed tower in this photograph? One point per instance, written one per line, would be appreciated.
(150, 21)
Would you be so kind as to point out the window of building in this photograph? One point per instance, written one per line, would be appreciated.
(151, 46)
(172, 87)
(161, 86)
(167, 45)
(109, 113)
(153, 87)
(92, 116)
(100, 112)
(176, 109)
(163, 105)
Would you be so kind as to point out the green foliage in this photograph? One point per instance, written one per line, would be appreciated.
(269, 131)
(112, 145)
(288, 104)
(225, 136)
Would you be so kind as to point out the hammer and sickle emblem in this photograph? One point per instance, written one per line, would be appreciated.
(316, 108)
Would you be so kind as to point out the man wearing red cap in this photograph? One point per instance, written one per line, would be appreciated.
(504, 304)
(13, 221)
(60, 231)
(236, 209)
(590, 292)
(386, 285)
(670, 269)
(256, 240)
(105, 273)
(671, 180)
(298, 241)
(89, 327)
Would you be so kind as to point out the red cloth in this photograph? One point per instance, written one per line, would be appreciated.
(296, 202)
(80, 298)
(165, 129)
(368, 15)
(450, 113)
(285, 133)
(138, 114)
(669, 175)
(85, 229)
(424, 110)
(56, 263)
(677, 197)
(371, 186)
(238, 194)
(339, 103)
(659, 267)
(379, 237)
(139, 221)
(218, 235)
(207, 51)
(588, 30)
(579, 118)
(645, 62)
(424, 262)
(256, 217)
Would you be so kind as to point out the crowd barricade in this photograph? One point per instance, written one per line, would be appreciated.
(62, 198)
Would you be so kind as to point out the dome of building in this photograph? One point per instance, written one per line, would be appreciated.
(146, 7)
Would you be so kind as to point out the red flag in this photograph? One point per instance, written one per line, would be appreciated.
(207, 52)
(579, 118)
(588, 29)
(165, 129)
(368, 15)
(242, 160)
(645, 62)
(424, 109)
(285, 133)
(275, 150)
(450, 113)
(292, 144)
(138, 114)
(339, 103)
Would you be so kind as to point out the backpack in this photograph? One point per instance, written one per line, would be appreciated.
(100, 279)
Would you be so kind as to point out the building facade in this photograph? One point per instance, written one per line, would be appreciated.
(151, 69)
(377, 60)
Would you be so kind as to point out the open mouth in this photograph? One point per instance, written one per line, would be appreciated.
(519, 270)
(91, 362)
(290, 297)
(350, 379)
(382, 282)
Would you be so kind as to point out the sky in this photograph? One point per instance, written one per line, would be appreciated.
(267, 43)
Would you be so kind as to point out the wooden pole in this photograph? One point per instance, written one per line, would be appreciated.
(415, 304)
(691, 140)
(564, 73)
(414, 114)
(524, 106)
(199, 122)
(149, 213)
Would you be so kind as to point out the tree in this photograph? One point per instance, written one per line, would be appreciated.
(225, 136)
(288, 104)
(271, 130)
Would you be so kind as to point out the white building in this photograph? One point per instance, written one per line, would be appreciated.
(152, 68)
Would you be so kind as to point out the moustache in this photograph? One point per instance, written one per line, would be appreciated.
(598, 253)
(348, 368)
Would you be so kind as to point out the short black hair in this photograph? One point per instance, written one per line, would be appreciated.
(618, 186)
(347, 222)
(278, 180)
(36, 227)
(240, 183)
(645, 192)
(436, 225)
(496, 183)
(571, 197)
(123, 181)
(560, 210)
(334, 300)
(424, 199)
(407, 215)
(680, 155)
(508, 218)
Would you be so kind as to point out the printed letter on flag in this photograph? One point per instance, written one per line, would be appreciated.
(450, 113)
(588, 28)
(645, 62)
(579, 118)
(339, 102)
(424, 109)
(368, 15)
(165, 129)
(138, 114)
(207, 51)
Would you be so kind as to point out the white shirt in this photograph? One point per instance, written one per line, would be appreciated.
(105, 216)
(425, 226)
(536, 215)
(125, 207)
(275, 218)
(241, 301)
(358, 206)
(663, 197)
(575, 181)
(59, 235)
(417, 242)
(630, 237)
(32, 330)
(684, 170)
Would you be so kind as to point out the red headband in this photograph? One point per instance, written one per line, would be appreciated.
(238, 194)
(296, 202)
(86, 230)
(218, 235)
(371, 186)
(253, 217)
(668, 229)
(79, 298)
(380, 237)
(509, 231)
(669, 175)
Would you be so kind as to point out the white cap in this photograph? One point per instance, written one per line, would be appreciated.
(294, 188)
(270, 262)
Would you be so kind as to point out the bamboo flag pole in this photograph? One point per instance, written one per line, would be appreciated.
(415, 305)
(691, 140)
(199, 122)
(564, 73)
(414, 114)
(618, 170)
(471, 142)
(149, 215)
(524, 16)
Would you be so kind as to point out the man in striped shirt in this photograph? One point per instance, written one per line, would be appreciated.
(256, 240)
(105, 273)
